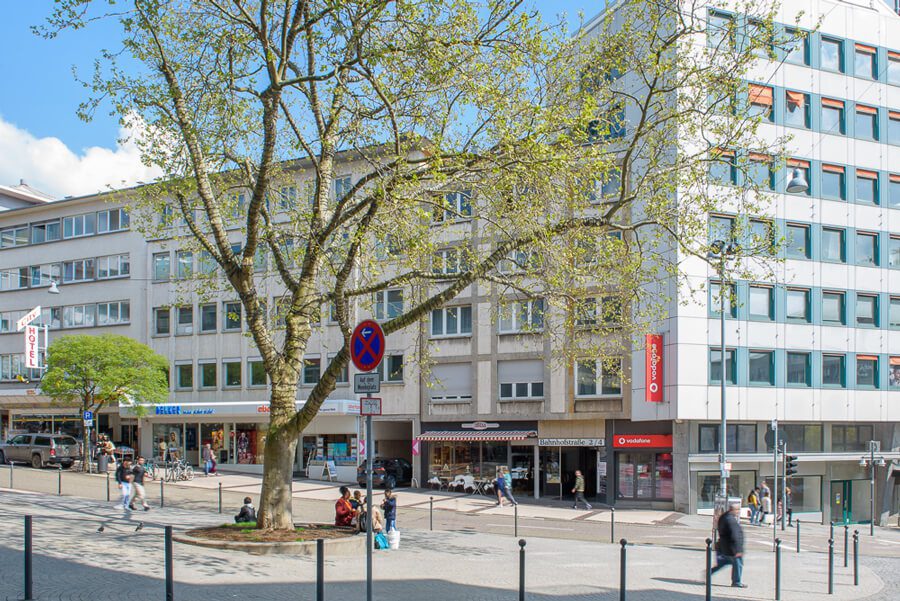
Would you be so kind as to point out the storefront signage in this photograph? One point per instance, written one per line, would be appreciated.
(639, 441)
(28, 318)
(416, 448)
(32, 356)
(178, 410)
(654, 368)
(480, 425)
(571, 442)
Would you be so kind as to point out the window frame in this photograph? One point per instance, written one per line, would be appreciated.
(842, 237)
(842, 297)
(179, 385)
(807, 312)
(730, 362)
(770, 360)
(807, 369)
(387, 370)
(770, 302)
(600, 375)
(382, 304)
(839, 43)
(875, 362)
(182, 328)
(807, 246)
(203, 307)
(842, 357)
(226, 317)
(202, 366)
(157, 315)
(532, 310)
(872, 239)
(874, 297)
(444, 312)
(228, 371)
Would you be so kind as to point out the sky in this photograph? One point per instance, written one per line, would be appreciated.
(42, 140)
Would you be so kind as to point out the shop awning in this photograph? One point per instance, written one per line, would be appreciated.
(476, 436)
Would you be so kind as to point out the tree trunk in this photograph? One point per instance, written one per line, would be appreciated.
(281, 445)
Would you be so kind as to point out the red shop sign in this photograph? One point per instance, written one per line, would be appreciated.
(653, 360)
(642, 441)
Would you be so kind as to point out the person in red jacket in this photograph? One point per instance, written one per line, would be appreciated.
(343, 511)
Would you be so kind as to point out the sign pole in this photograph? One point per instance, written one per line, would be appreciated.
(369, 508)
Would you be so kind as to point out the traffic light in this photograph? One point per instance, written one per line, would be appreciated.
(790, 466)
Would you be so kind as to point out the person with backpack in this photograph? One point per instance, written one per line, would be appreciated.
(247, 514)
(753, 504)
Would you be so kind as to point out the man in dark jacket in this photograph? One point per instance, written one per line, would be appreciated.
(247, 514)
(730, 548)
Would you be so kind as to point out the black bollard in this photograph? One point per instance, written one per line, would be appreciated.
(624, 543)
(612, 525)
(320, 569)
(777, 569)
(59, 482)
(170, 568)
(431, 513)
(708, 569)
(29, 581)
(220, 497)
(846, 540)
(107, 486)
(831, 533)
(516, 520)
(521, 569)
(11, 467)
(856, 558)
(798, 535)
(162, 493)
(830, 566)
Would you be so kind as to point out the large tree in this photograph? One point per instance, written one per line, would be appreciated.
(93, 372)
(480, 138)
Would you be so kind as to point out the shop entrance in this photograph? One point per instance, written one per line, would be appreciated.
(644, 476)
(558, 465)
(850, 503)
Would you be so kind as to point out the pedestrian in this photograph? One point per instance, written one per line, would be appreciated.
(766, 508)
(209, 461)
(789, 501)
(389, 505)
(343, 511)
(356, 500)
(139, 473)
(753, 504)
(730, 547)
(247, 514)
(503, 489)
(579, 491)
(124, 478)
(102, 457)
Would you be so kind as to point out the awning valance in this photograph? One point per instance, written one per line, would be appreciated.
(476, 435)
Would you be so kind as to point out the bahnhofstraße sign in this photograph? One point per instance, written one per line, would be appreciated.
(571, 442)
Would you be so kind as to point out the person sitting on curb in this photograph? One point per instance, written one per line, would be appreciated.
(343, 511)
(247, 514)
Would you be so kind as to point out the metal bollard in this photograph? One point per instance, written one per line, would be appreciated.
(831, 532)
(59, 482)
(170, 568)
(11, 466)
(624, 543)
(708, 569)
(220, 497)
(612, 525)
(29, 581)
(320, 569)
(798, 535)
(777, 569)
(846, 540)
(107, 486)
(431, 513)
(162, 493)
(830, 566)
(516, 520)
(521, 569)
(856, 558)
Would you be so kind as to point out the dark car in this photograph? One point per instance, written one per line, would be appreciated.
(386, 472)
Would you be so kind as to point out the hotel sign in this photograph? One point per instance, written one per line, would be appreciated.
(571, 442)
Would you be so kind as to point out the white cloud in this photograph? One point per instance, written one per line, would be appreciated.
(48, 165)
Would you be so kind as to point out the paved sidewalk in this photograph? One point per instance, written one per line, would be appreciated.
(74, 562)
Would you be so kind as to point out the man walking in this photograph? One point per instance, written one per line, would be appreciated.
(730, 548)
(579, 492)
(124, 478)
(139, 472)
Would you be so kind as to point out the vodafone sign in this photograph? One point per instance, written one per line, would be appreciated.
(653, 360)
(642, 441)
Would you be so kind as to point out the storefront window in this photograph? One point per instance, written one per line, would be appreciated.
(167, 442)
(32, 424)
(739, 485)
(662, 476)
(806, 493)
(214, 435)
(249, 443)
(340, 448)
(802, 438)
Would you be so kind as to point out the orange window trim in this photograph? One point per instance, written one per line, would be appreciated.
(894, 55)
(866, 49)
(798, 163)
(868, 357)
(798, 98)
(756, 156)
(833, 169)
(868, 110)
(895, 178)
(837, 104)
(721, 152)
(894, 114)
(895, 360)
(760, 94)
(866, 174)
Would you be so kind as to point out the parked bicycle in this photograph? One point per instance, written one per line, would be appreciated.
(177, 471)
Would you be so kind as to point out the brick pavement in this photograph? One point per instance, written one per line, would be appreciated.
(74, 562)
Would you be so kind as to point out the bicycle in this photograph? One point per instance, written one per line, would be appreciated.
(177, 471)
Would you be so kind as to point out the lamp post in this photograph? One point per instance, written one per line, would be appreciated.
(722, 250)
(872, 462)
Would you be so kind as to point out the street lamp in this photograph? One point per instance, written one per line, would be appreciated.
(53, 289)
(798, 183)
(721, 250)
(872, 462)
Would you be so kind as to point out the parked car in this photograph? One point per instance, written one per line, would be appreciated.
(41, 449)
(386, 472)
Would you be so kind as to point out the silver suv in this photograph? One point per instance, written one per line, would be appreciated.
(40, 450)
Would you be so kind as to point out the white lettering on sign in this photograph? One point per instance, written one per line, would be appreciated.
(480, 425)
(28, 318)
(32, 353)
(571, 442)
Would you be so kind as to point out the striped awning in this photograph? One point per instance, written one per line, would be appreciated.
(476, 435)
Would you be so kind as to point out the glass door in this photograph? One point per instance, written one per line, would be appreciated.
(643, 468)
(841, 501)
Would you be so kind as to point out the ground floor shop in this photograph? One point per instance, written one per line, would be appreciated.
(43, 417)
(642, 467)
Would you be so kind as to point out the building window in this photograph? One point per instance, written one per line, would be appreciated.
(866, 125)
(866, 310)
(761, 302)
(762, 367)
(894, 252)
(184, 264)
(452, 206)
(759, 171)
(893, 69)
(343, 377)
(184, 376)
(207, 374)
(522, 316)
(760, 98)
(797, 305)
(600, 377)
(798, 369)
(720, 31)
(114, 266)
(715, 366)
(231, 373)
(161, 321)
(850, 439)
(114, 313)
(894, 312)
(797, 241)
(206, 265)
(894, 127)
(112, 220)
(184, 324)
(256, 373)
(519, 261)
(894, 373)
(833, 182)
(451, 321)
(342, 187)
(866, 249)
(894, 191)
(831, 56)
(391, 368)
(740, 438)
(762, 234)
(14, 236)
(79, 316)
(867, 371)
(14, 279)
(803, 168)
(44, 275)
(312, 370)
(716, 299)
(800, 438)
(833, 248)
(833, 370)
(796, 112)
(833, 308)
(449, 261)
(287, 198)
(161, 266)
(231, 312)
(832, 116)
(796, 50)
(721, 228)
(721, 167)
(864, 61)
(81, 270)
(388, 304)
(209, 321)
(79, 225)
(45, 232)
(866, 186)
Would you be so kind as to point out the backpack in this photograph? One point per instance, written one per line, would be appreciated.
(381, 541)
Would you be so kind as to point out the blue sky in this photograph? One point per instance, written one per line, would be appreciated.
(41, 138)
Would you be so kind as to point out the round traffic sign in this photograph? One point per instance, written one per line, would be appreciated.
(367, 345)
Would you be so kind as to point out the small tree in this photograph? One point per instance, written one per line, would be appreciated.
(92, 372)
